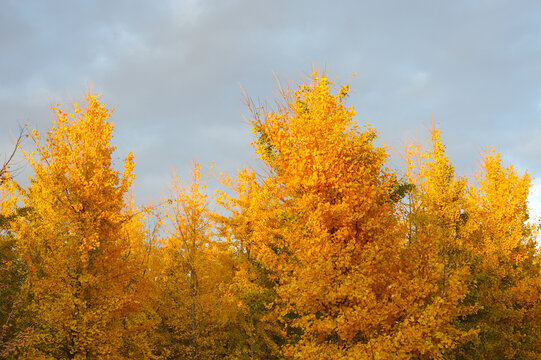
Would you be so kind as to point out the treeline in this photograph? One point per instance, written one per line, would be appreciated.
(327, 254)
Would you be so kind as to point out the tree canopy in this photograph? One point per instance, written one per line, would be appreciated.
(324, 252)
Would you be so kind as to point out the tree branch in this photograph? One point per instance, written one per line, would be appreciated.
(5, 166)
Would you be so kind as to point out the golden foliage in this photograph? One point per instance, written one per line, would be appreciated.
(330, 255)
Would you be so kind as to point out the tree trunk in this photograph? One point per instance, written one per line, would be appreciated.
(252, 336)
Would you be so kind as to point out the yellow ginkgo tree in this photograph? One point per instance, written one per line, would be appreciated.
(438, 248)
(78, 240)
(255, 328)
(506, 268)
(189, 303)
(330, 229)
(16, 324)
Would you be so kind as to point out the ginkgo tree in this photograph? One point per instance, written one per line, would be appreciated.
(16, 323)
(252, 287)
(190, 302)
(14, 326)
(506, 268)
(78, 240)
(331, 231)
(438, 247)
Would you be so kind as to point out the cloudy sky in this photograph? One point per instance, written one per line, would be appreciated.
(174, 71)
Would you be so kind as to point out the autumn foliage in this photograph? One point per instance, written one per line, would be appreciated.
(324, 252)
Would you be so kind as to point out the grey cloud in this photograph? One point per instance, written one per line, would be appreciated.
(172, 69)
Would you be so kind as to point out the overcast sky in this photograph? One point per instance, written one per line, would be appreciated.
(174, 70)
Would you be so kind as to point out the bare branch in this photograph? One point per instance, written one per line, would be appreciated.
(5, 166)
